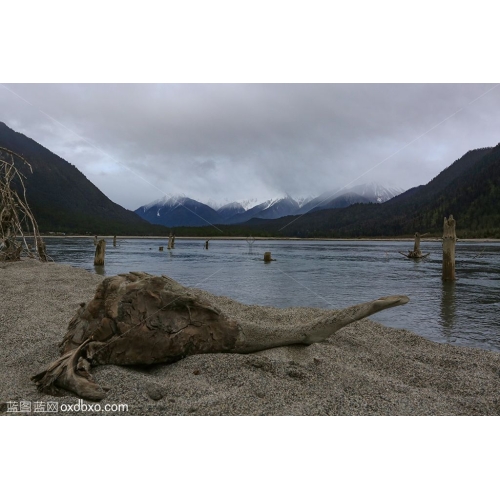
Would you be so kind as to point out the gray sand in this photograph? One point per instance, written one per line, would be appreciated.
(365, 369)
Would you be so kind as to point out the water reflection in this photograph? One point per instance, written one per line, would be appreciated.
(448, 307)
(100, 270)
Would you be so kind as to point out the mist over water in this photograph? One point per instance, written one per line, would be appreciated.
(325, 274)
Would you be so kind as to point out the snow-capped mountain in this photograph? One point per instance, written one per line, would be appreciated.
(341, 198)
(218, 205)
(270, 209)
(375, 192)
(303, 200)
(180, 210)
(250, 213)
(332, 199)
(251, 202)
(230, 209)
(174, 211)
(279, 208)
(165, 201)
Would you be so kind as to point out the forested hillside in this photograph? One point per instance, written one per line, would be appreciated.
(63, 199)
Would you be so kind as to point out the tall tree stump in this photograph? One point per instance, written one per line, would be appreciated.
(206, 245)
(173, 241)
(449, 240)
(100, 251)
(114, 241)
(169, 247)
(95, 240)
(416, 245)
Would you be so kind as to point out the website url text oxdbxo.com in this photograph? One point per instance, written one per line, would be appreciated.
(48, 407)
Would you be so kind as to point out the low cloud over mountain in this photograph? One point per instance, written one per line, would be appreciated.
(174, 211)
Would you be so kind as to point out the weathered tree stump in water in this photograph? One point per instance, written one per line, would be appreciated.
(267, 257)
(139, 319)
(449, 240)
(160, 249)
(100, 251)
(95, 240)
(114, 241)
(173, 241)
(169, 247)
(206, 245)
(416, 253)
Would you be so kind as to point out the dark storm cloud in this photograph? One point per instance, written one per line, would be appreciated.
(227, 142)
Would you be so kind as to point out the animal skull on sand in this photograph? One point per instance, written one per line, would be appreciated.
(140, 319)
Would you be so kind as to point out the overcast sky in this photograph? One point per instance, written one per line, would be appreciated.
(230, 142)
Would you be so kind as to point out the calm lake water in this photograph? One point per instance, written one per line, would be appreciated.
(326, 274)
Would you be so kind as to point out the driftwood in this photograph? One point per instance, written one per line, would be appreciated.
(478, 254)
(416, 253)
(449, 240)
(139, 319)
(16, 219)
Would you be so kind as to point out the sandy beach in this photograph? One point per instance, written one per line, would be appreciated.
(365, 369)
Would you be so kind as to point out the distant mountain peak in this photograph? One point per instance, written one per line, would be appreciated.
(374, 192)
(236, 212)
(179, 210)
(303, 200)
(230, 209)
(167, 200)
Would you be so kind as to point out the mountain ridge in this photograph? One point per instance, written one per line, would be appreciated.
(234, 212)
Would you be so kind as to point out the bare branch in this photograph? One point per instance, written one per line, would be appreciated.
(16, 219)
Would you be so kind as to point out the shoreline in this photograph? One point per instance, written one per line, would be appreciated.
(262, 238)
(364, 369)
